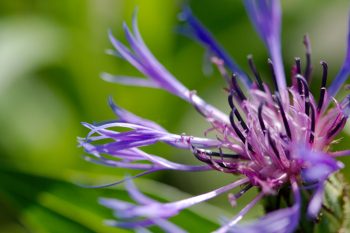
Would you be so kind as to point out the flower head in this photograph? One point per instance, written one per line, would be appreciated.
(275, 138)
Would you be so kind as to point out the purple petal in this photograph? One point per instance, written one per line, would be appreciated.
(344, 72)
(129, 156)
(227, 227)
(318, 165)
(147, 64)
(197, 31)
(280, 221)
(130, 225)
(128, 117)
(126, 53)
(341, 153)
(143, 60)
(169, 226)
(163, 224)
(197, 199)
(315, 203)
(141, 136)
(136, 195)
(150, 212)
(154, 210)
(127, 80)
(266, 18)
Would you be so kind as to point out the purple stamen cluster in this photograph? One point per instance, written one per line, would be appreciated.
(273, 137)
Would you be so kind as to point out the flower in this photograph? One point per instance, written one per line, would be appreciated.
(278, 138)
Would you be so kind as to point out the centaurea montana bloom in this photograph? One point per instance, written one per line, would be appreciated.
(276, 138)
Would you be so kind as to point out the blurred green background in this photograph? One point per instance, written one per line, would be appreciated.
(51, 56)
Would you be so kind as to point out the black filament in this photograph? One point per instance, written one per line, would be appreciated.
(235, 128)
(261, 120)
(284, 117)
(323, 85)
(255, 72)
(306, 92)
(243, 191)
(336, 128)
(298, 66)
(273, 74)
(273, 145)
(237, 114)
(215, 154)
(313, 122)
(236, 89)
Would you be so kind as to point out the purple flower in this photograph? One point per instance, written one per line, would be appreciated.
(275, 138)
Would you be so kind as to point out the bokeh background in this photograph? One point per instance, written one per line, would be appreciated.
(51, 56)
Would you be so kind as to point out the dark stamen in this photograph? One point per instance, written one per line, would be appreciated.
(273, 145)
(238, 115)
(283, 114)
(260, 117)
(298, 66)
(240, 119)
(306, 92)
(337, 127)
(236, 89)
(273, 74)
(214, 153)
(235, 128)
(308, 68)
(313, 122)
(323, 85)
(255, 72)
(220, 166)
(243, 191)
(230, 101)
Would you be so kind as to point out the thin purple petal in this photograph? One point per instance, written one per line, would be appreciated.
(128, 80)
(196, 30)
(142, 59)
(266, 18)
(280, 221)
(154, 210)
(315, 203)
(319, 165)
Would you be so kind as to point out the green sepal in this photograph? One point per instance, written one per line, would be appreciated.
(335, 213)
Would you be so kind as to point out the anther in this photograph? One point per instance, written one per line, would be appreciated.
(235, 128)
(237, 114)
(298, 66)
(273, 145)
(214, 153)
(337, 127)
(236, 89)
(255, 72)
(230, 100)
(323, 85)
(273, 74)
(312, 127)
(306, 92)
(220, 166)
(260, 117)
(284, 117)
(243, 191)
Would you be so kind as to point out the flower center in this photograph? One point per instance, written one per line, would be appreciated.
(266, 132)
